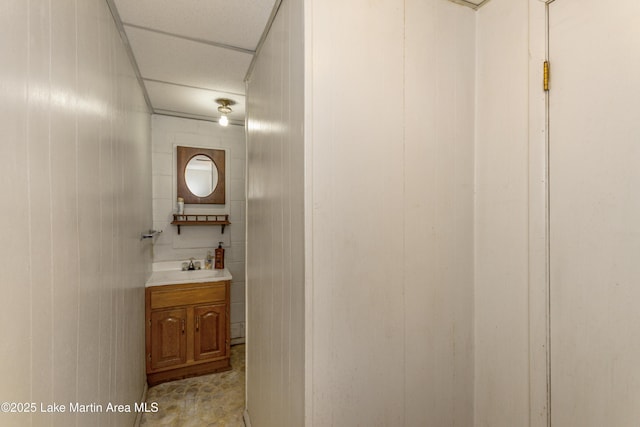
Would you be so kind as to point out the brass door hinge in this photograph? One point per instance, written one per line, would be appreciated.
(545, 76)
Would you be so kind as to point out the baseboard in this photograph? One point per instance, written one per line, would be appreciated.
(237, 330)
(138, 420)
(236, 341)
(188, 371)
(246, 418)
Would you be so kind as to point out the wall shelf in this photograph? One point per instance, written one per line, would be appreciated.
(200, 219)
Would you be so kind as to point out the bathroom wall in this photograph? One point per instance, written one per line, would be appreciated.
(510, 204)
(443, 323)
(594, 211)
(275, 226)
(437, 246)
(593, 237)
(168, 133)
(75, 165)
(390, 139)
(501, 215)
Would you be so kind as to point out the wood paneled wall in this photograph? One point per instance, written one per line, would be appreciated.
(502, 214)
(388, 170)
(392, 122)
(75, 166)
(275, 226)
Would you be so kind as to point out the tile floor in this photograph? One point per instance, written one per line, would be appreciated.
(215, 400)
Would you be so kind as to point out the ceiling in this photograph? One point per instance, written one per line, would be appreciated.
(191, 52)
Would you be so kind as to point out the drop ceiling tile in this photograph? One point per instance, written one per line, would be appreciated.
(176, 60)
(191, 101)
(237, 23)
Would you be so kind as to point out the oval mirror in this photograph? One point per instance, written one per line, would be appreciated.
(201, 175)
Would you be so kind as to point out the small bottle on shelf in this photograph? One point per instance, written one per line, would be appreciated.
(180, 207)
(219, 257)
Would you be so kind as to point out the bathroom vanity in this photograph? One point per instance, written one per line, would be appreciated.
(187, 323)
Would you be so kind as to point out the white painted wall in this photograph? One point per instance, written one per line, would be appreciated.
(593, 152)
(510, 216)
(275, 226)
(394, 345)
(437, 207)
(75, 163)
(502, 215)
(595, 206)
(168, 133)
(390, 140)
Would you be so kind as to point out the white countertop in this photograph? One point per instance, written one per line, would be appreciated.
(170, 273)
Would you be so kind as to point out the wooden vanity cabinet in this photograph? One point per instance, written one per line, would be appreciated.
(187, 330)
(168, 338)
(210, 339)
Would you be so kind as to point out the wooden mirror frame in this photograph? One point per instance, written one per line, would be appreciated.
(187, 153)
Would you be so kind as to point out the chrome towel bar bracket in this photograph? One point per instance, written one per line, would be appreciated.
(149, 234)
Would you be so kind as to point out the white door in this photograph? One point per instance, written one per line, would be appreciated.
(595, 213)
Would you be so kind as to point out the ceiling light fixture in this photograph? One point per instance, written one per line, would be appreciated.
(224, 109)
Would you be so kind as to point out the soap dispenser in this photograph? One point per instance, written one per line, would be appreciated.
(208, 261)
(219, 258)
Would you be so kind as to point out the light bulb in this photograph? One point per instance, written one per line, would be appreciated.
(224, 121)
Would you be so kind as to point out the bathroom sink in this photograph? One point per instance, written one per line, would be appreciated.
(196, 274)
(171, 273)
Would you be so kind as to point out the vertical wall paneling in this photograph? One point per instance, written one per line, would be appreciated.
(39, 145)
(14, 206)
(64, 215)
(594, 211)
(76, 166)
(358, 314)
(88, 200)
(538, 241)
(295, 227)
(501, 216)
(466, 309)
(391, 135)
(438, 213)
(275, 226)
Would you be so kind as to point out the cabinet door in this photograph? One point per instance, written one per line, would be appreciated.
(168, 337)
(210, 339)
